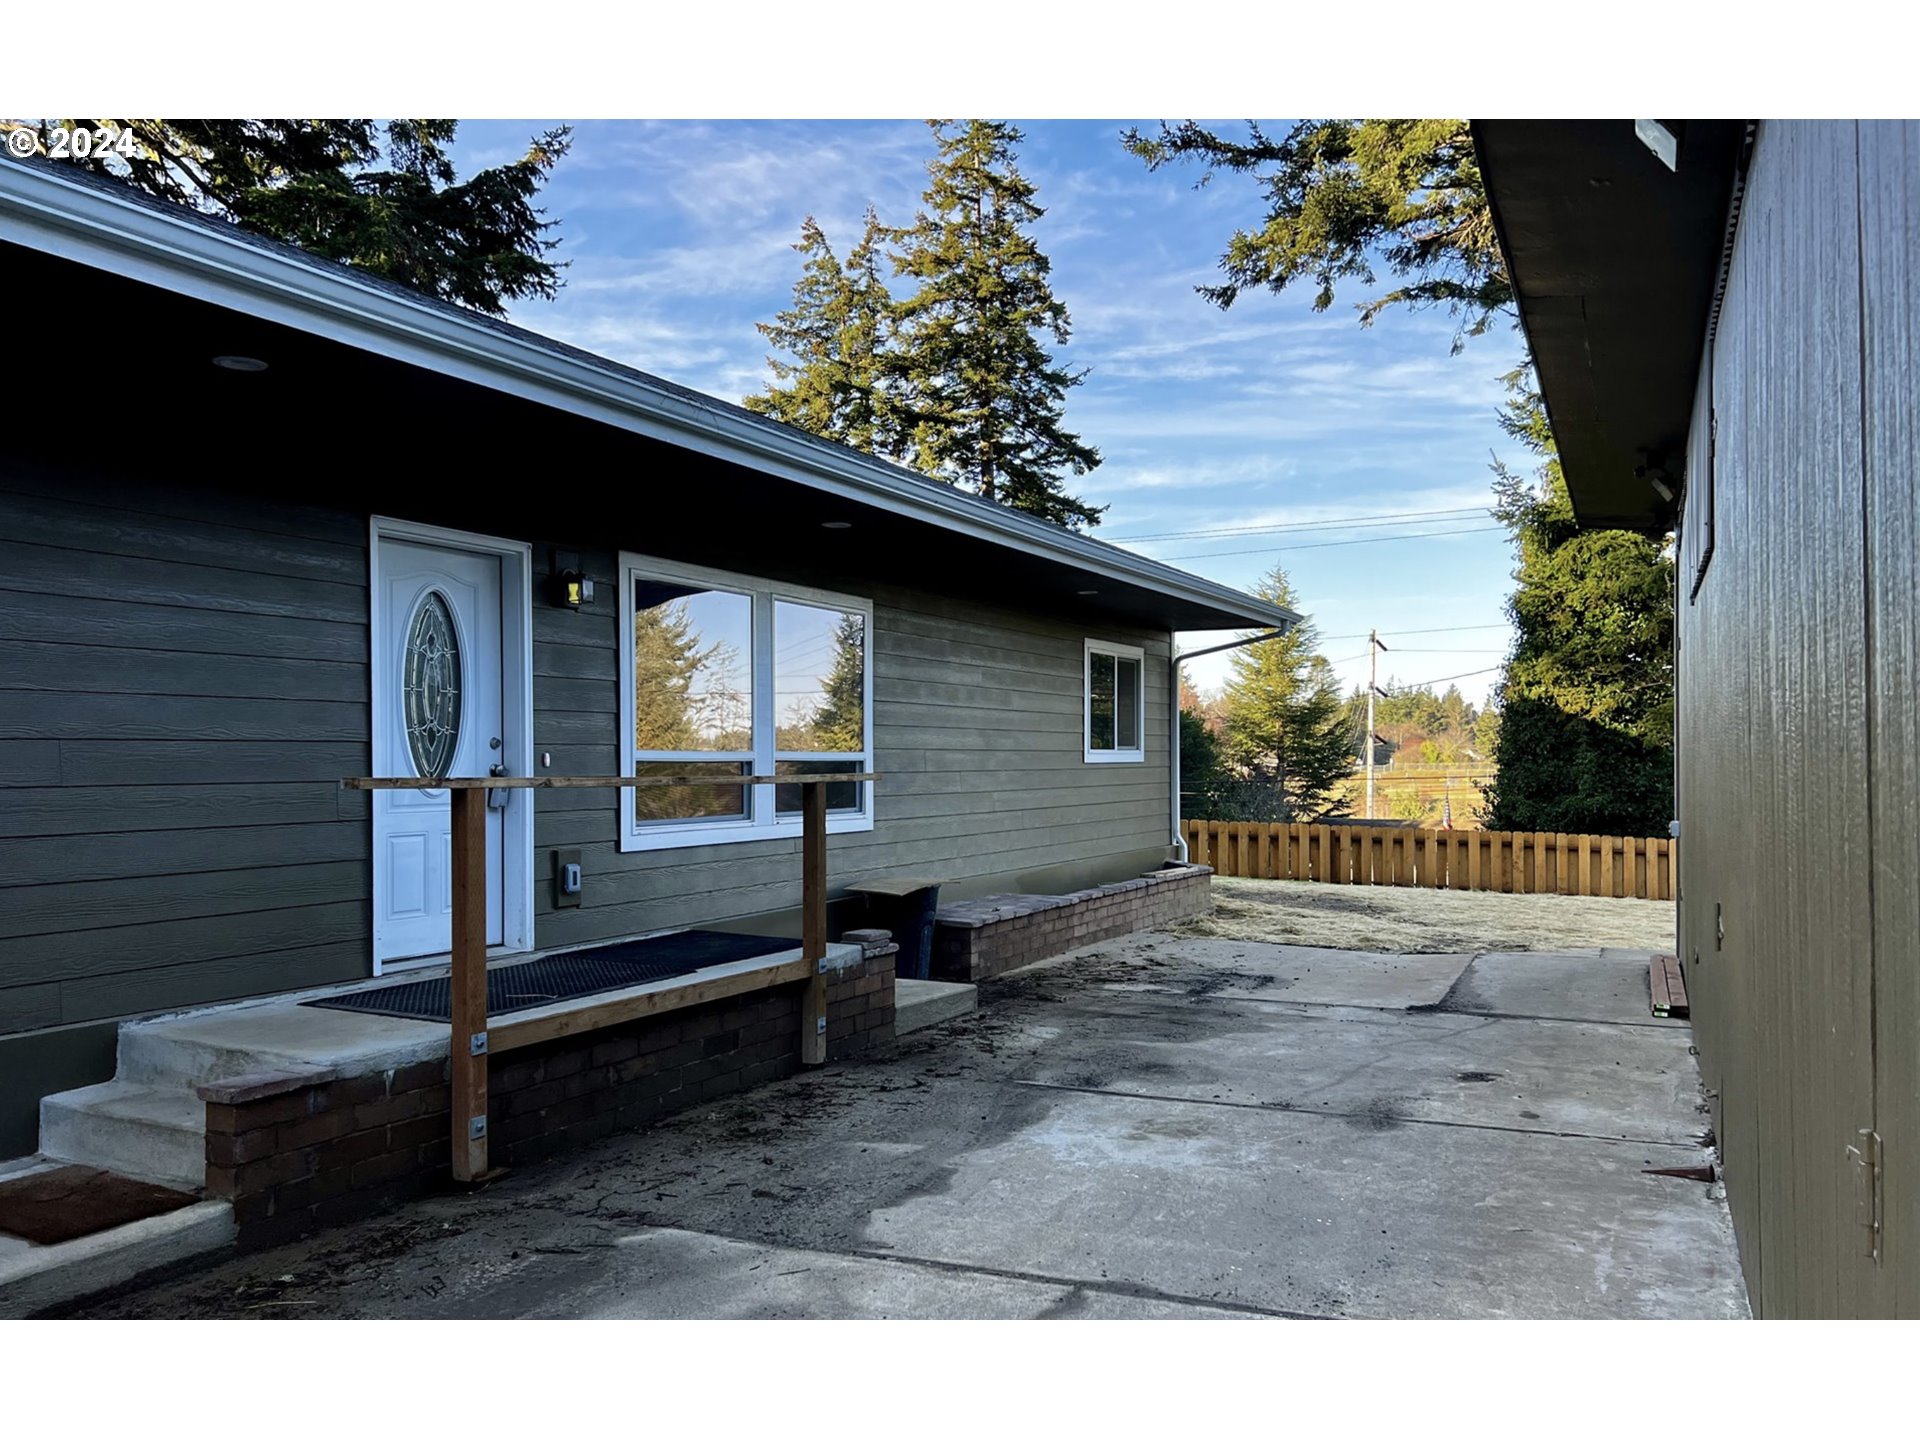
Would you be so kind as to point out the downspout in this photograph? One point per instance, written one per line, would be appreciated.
(1173, 670)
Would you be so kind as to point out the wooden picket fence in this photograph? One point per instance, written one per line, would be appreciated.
(1516, 862)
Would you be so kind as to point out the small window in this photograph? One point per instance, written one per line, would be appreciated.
(726, 675)
(1116, 703)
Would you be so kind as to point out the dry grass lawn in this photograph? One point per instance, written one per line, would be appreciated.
(1409, 921)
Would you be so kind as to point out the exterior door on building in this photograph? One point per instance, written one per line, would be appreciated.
(441, 708)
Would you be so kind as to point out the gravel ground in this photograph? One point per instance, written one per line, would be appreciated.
(1409, 921)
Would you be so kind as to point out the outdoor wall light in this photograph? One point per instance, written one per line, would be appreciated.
(244, 363)
(572, 589)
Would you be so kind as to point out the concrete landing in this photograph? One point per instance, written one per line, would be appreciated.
(920, 1003)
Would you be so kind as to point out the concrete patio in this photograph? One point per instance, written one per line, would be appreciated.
(1147, 1127)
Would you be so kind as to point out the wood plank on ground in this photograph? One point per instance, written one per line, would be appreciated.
(1668, 985)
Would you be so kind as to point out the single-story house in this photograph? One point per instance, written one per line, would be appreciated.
(1725, 319)
(267, 523)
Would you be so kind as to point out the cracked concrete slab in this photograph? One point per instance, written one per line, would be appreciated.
(1608, 1082)
(1301, 973)
(1609, 986)
(1158, 1126)
(1368, 1216)
(684, 1275)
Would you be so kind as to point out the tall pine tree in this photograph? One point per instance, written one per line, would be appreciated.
(837, 333)
(1286, 729)
(983, 394)
(381, 195)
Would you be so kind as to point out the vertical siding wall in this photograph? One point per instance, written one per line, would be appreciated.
(977, 733)
(1797, 775)
(182, 683)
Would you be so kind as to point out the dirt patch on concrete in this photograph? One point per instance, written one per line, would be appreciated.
(1433, 922)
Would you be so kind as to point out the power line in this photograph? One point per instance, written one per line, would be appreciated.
(1464, 674)
(1328, 544)
(1385, 517)
(1432, 630)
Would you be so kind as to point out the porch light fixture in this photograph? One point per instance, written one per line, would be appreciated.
(572, 589)
(246, 364)
(1086, 592)
(836, 524)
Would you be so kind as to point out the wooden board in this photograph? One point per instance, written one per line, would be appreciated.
(1668, 985)
(589, 782)
(675, 995)
(468, 983)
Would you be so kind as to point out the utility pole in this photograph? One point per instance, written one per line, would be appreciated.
(1374, 647)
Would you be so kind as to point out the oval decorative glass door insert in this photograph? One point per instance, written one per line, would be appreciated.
(430, 686)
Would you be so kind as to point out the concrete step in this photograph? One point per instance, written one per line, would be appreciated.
(151, 1132)
(920, 1003)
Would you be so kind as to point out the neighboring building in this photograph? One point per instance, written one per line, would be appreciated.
(1728, 339)
(266, 523)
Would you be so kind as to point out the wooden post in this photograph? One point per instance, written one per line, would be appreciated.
(467, 1055)
(813, 910)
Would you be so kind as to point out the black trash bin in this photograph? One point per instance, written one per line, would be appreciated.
(907, 909)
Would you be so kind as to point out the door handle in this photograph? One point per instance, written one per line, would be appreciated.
(497, 798)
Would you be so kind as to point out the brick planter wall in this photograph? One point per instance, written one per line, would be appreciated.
(975, 940)
(300, 1149)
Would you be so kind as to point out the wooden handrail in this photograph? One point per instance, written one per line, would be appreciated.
(468, 1037)
(589, 782)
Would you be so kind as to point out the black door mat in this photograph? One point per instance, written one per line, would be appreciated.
(568, 976)
(77, 1200)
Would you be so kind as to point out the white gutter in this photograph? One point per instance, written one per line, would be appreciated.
(111, 227)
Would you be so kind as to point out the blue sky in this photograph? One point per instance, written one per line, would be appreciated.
(678, 234)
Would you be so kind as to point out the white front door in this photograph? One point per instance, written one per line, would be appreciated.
(441, 711)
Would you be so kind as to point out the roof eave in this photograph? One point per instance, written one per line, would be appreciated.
(91, 225)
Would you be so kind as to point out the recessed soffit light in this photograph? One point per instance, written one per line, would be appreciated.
(836, 524)
(244, 363)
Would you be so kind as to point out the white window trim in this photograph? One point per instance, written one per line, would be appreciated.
(1138, 754)
(762, 821)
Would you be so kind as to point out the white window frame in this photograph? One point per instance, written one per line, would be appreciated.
(1138, 754)
(762, 820)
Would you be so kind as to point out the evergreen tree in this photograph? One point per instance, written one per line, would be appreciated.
(983, 394)
(837, 332)
(1344, 195)
(379, 195)
(1203, 775)
(1285, 724)
(1586, 704)
(1586, 725)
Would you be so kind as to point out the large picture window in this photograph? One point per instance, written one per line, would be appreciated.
(1116, 703)
(726, 675)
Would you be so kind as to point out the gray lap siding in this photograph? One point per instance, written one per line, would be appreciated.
(183, 682)
(977, 735)
(184, 675)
